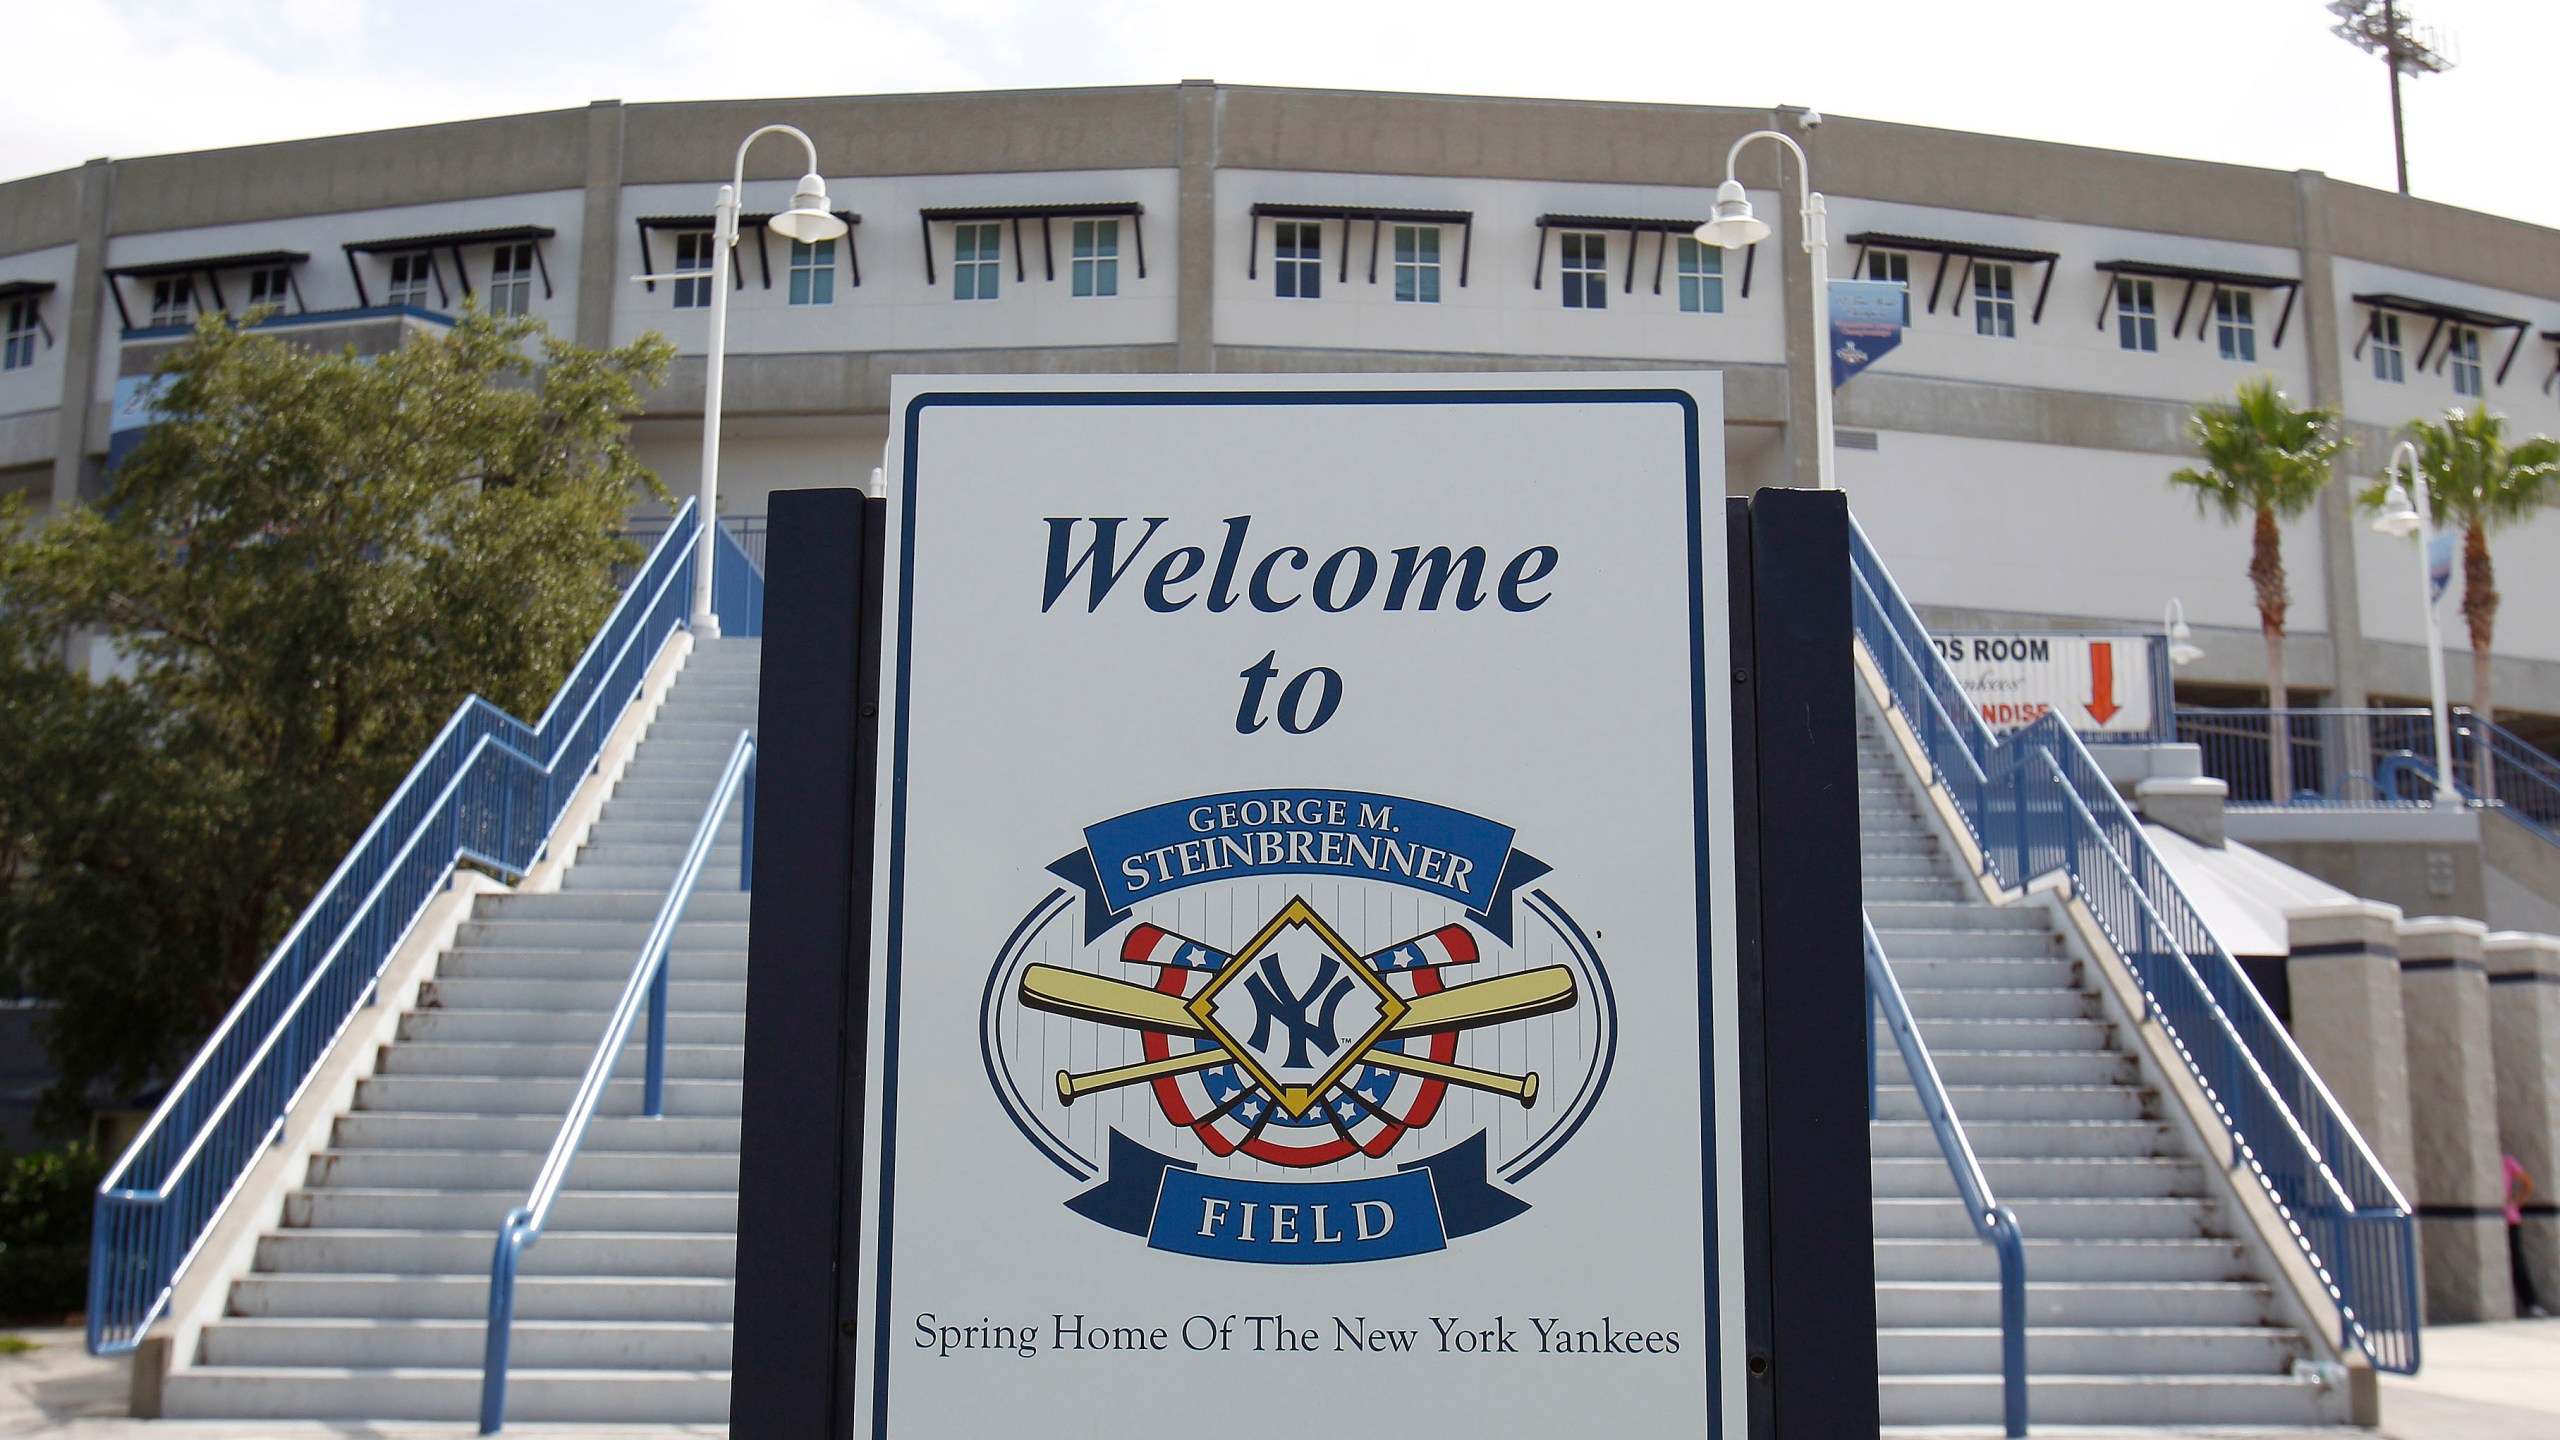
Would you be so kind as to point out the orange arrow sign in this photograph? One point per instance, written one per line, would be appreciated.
(2102, 705)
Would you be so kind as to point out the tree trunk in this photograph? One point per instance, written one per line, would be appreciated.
(2266, 572)
(2480, 609)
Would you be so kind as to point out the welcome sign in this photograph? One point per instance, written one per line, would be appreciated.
(1303, 978)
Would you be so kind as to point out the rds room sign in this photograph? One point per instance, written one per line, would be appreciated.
(1303, 958)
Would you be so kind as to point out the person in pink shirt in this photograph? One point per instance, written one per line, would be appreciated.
(2519, 1183)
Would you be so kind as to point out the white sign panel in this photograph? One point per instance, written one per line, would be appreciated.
(1303, 982)
(2098, 684)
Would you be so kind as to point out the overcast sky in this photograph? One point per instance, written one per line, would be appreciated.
(2258, 82)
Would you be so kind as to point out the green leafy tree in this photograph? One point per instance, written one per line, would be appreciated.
(2265, 461)
(310, 560)
(2477, 482)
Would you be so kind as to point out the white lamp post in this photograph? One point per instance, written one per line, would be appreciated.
(2403, 516)
(1735, 227)
(2183, 649)
(809, 221)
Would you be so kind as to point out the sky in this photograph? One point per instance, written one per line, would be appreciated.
(2255, 82)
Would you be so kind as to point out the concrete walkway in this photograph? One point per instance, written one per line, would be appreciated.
(2480, 1382)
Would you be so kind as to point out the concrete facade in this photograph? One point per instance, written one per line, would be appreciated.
(2524, 1029)
(2344, 977)
(2016, 471)
(2462, 1232)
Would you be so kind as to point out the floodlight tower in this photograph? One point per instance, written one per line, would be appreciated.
(2380, 27)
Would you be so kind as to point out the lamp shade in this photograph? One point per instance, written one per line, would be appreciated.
(1734, 226)
(2398, 517)
(808, 220)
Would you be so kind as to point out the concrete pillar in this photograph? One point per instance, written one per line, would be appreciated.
(600, 280)
(2524, 1031)
(2345, 978)
(85, 308)
(2453, 1107)
(2318, 315)
(1200, 106)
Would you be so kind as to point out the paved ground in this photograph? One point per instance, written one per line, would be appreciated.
(2480, 1382)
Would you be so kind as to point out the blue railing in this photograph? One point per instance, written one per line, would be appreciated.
(647, 988)
(487, 791)
(2036, 803)
(1992, 1221)
(2376, 759)
(737, 579)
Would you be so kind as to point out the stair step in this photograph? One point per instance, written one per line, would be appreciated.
(2041, 1140)
(1895, 1100)
(466, 1297)
(1985, 1002)
(559, 1061)
(2050, 1260)
(442, 1252)
(2007, 944)
(715, 997)
(1974, 916)
(622, 935)
(2146, 1400)
(417, 1393)
(629, 907)
(2080, 1175)
(623, 1347)
(471, 1095)
(375, 1130)
(478, 1212)
(577, 1027)
(2050, 1218)
(612, 965)
(1946, 972)
(436, 1171)
(2148, 1350)
(1933, 1303)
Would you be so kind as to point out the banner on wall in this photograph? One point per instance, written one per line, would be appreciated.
(1866, 324)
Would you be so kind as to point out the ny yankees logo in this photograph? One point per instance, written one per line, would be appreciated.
(1274, 1003)
(1289, 1046)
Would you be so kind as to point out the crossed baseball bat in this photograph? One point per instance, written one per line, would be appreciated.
(1080, 996)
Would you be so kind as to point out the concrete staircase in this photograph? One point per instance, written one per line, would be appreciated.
(370, 1302)
(2144, 1305)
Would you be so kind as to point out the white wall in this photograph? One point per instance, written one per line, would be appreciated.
(895, 308)
(2428, 395)
(1496, 312)
(2054, 530)
(758, 457)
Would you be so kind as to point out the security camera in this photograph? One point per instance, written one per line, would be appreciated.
(1812, 119)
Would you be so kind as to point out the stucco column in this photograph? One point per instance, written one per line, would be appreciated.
(84, 308)
(600, 225)
(2318, 313)
(2345, 978)
(2453, 1111)
(2524, 1030)
(1200, 105)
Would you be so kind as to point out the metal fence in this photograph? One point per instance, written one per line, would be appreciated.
(2375, 759)
(2037, 804)
(487, 791)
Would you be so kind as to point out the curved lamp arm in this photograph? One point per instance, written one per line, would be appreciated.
(726, 220)
(1815, 211)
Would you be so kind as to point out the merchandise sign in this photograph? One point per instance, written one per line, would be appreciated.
(2099, 684)
(1866, 324)
(1303, 995)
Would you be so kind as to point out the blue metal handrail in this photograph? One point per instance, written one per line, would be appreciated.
(737, 580)
(1994, 1222)
(2037, 803)
(487, 791)
(2357, 758)
(647, 988)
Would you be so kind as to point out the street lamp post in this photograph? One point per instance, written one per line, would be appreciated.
(2403, 516)
(809, 221)
(1735, 228)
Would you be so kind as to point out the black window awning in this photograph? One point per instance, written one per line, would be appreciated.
(1633, 227)
(2195, 275)
(2554, 337)
(209, 266)
(453, 242)
(1378, 216)
(13, 290)
(2460, 316)
(1971, 252)
(1016, 214)
(755, 220)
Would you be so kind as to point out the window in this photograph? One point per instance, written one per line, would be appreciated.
(409, 277)
(693, 253)
(511, 280)
(1297, 259)
(1096, 266)
(1584, 269)
(271, 287)
(1995, 301)
(975, 249)
(813, 272)
(2387, 355)
(173, 301)
(1418, 264)
(2465, 351)
(1701, 278)
(2235, 326)
(2137, 316)
(1893, 267)
(18, 341)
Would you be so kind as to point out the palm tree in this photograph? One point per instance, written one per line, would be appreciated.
(2267, 461)
(2478, 482)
